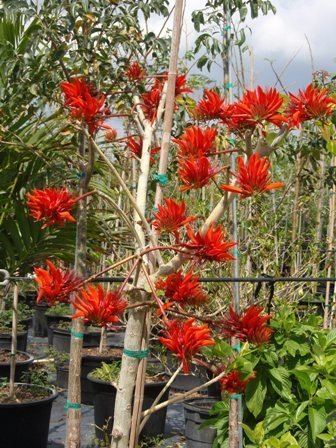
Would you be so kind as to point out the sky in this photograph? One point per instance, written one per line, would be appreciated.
(280, 37)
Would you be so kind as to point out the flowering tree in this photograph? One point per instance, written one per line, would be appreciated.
(173, 246)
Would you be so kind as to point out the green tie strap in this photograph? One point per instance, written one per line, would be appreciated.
(77, 334)
(162, 179)
(139, 354)
(236, 347)
(235, 396)
(70, 405)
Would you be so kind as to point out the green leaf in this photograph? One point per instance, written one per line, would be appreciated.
(317, 420)
(255, 395)
(280, 381)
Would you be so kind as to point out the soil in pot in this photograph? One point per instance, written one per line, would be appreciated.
(196, 412)
(54, 320)
(6, 339)
(23, 362)
(104, 394)
(25, 420)
(40, 321)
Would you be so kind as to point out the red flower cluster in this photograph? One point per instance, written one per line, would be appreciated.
(97, 306)
(51, 206)
(84, 104)
(185, 339)
(196, 172)
(210, 107)
(249, 325)
(210, 245)
(253, 177)
(196, 142)
(54, 284)
(135, 72)
(312, 103)
(171, 216)
(258, 106)
(183, 289)
(233, 382)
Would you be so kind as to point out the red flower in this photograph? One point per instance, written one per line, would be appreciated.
(210, 245)
(258, 106)
(312, 103)
(135, 72)
(253, 177)
(150, 102)
(196, 142)
(84, 104)
(171, 216)
(54, 284)
(233, 382)
(181, 86)
(97, 306)
(185, 339)
(111, 135)
(51, 206)
(135, 146)
(184, 289)
(196, 172)
(249, 325)
(210, 106)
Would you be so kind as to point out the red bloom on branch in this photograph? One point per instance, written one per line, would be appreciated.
(111, 135)
(185, 339)
(210, 107)
(183, 289)
(135, 146)
(196, 172)
(211, 245)
(135, 72)
(97, 306)
(250, 325)
(181, 86)
(171, 216)
(233, 382)
(84, 104)
(150, 102)
(54, 284)
(309, 104)
(196, 142)
(51, 206)
(253, 177)
(258, 106)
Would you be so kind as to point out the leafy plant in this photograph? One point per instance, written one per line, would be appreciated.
(107, 372)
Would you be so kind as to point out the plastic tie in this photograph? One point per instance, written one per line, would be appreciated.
(228, 86)
(236, 347)
(77, 334)
(70, 405)
(162, 179)
(231, 140)
(138, 354)
(235, 396)
(227, 27)
(155, 209)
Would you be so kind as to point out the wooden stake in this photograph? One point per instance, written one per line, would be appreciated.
(14, 342)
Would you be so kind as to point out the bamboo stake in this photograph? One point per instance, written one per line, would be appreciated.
(319, 218)
(14, 342)
(330, 246)
(170, 103)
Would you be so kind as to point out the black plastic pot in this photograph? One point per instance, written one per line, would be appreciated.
(61, 339)
(62, 375)
(53, 319)
(26, 424)
(196, 412)
(20, 368)
(30, 298)
(26, 323)
(40, 320)
(104, 395)
(6, 340)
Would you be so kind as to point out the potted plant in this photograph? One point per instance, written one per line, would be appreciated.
(196, 414)
(56, 314)
(104, 380)
(24, 319)
(24, 408)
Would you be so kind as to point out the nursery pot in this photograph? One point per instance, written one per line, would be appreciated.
(26, 424)
(62, 374)
(21, 366)
(54, 319)
(104, 395)
(30, 298)
(61, 339)
(40, 320)
(196, 412)
(6, 340)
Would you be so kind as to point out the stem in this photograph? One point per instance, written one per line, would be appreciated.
(14, 342)
(102, 340)
(157, 399)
